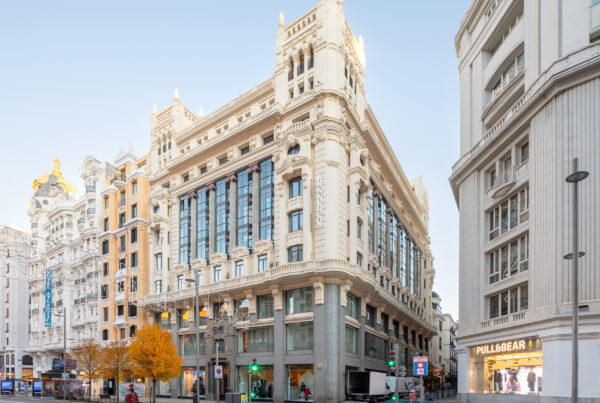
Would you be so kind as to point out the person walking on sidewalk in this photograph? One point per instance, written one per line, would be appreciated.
(131, 397)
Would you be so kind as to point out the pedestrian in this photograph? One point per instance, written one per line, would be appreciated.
(131, 397)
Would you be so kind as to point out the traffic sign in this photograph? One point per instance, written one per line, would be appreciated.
(420, 366)
(219, 371)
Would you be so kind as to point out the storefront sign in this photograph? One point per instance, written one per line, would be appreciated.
(48, 308)
(319, 200)
(57, 364)
(509, 346)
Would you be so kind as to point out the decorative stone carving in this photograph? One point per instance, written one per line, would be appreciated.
(218, 258)
(239, 251)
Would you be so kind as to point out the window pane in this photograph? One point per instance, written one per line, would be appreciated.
(494, 306)
(256, 340)
(374, 346)
(351, 339)
(299, 336)
(514, 258)
(300, 300)
(524, 303)
(504, 303)
(265, 306)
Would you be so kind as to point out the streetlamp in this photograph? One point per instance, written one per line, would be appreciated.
(196, 321)
(575, 178)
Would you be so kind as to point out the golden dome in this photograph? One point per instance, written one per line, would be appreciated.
(55, 177)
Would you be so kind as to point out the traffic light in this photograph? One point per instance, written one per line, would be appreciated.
(252, 395)
(392, 360)
(254, 366)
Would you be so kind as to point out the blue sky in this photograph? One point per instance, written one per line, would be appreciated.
(80, 78)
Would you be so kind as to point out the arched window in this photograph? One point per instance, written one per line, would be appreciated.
(291, 72)
(301, 63)
(311, 60)
(293, 150)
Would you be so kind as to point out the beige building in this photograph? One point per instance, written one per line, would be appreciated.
(310, 244)
(124, 247)
(530, 101)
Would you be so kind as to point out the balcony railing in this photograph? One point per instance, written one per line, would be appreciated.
(80, 220)
(91, 210)
(122, 203)
(90, 188)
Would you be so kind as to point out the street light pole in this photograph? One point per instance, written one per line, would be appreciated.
(197, 320)
(64, 351)
(575, 178)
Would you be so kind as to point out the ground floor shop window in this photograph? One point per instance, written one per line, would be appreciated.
(163, 388)
(507, 367)
(187, 381)
(261, 381)
(300, 383)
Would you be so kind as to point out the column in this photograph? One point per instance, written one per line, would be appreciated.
(254, 170)
(387, 237)
(193, 225)
(212, 219)
(233, 205)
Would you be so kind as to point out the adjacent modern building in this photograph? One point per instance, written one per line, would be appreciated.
(63, 264)
(289, 210)
(123, 244)
(530, 101)
(15, 246)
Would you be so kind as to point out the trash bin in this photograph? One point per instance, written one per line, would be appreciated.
(233, 398)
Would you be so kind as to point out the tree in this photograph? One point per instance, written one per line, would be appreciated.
(154, 356)
(88, 356)
(115, 363)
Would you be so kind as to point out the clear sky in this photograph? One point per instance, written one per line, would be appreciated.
(80, 78)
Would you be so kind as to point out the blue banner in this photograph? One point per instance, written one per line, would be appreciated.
(48, 309)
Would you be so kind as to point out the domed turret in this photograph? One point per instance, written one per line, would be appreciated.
(41, 186)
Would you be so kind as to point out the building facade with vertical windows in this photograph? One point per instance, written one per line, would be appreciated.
(63, 264)
(124, 248)
(530, 97)
(309, 243)
(15, 246)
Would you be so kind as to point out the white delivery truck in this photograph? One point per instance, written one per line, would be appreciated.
(367, 386)
(402, 387)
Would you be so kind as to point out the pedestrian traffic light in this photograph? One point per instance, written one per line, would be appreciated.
(391, 361)
(254, 365)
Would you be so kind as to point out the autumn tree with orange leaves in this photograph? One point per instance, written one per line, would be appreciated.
(88, 356)
(115, 363)
(154, 356)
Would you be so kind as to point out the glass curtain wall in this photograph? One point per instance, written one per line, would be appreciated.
(244, 209)
(203, 223)
(222, 211)
(184, 229)
(266, 199)
(382, 233)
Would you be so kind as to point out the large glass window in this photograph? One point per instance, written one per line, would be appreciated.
(244, 209)
(184, 229)
(187, 344)
(393, 245)
(255, 340)
(265, 306)
(508, 301)
(261, 382)
(352, 305)
(382, 233)
(217, 274)
(370, 315)
(300, 383)
(295, 254)
(351, 339)
(266, 199)
(295, 219)
(299, 336)
(374, 346)
(299, 300)
(202, 224)
(410, 264)
(222, 212)
(402, 256)
(509, 259)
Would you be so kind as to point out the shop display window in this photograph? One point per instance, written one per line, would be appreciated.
(507, 367)
(300, 383)
(261, 382)
(255, 340)
(187, 382)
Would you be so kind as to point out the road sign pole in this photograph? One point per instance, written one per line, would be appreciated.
(217, 381)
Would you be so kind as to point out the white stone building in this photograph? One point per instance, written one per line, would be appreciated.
(64, 237)
(15, 247)
(530, 101)
(449, 356)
